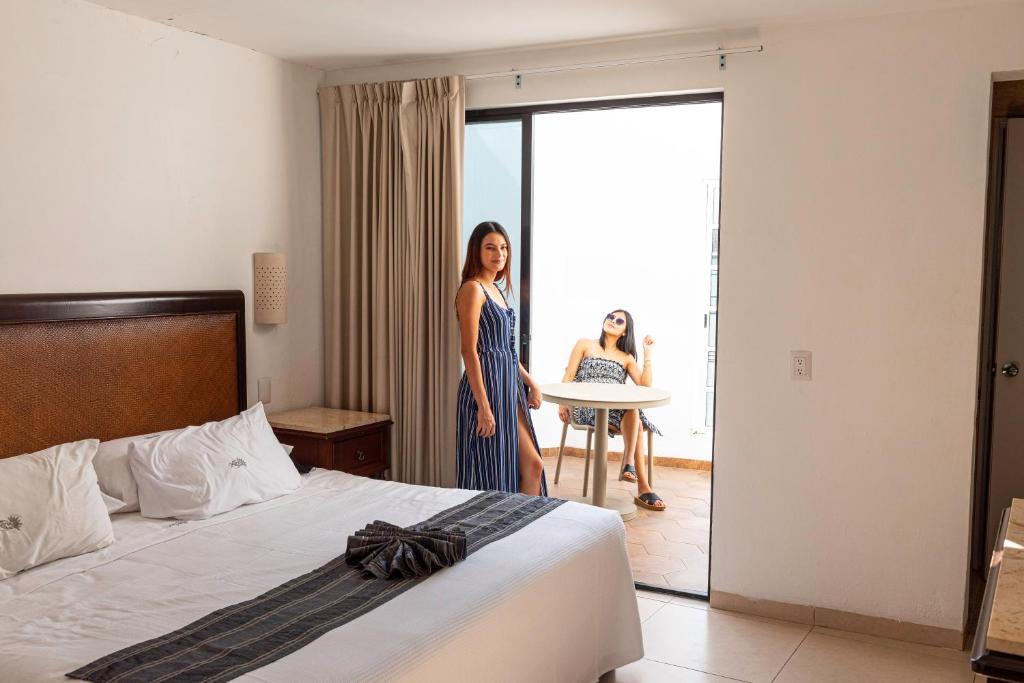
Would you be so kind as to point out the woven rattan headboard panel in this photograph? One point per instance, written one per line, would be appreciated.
(78, 366)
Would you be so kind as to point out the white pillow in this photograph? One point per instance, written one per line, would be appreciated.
(198, 472)
(120, 492)
(115, 475)
(51, 507)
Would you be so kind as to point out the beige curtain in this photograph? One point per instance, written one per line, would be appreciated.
(392, 208)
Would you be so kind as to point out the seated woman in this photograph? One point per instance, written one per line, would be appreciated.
(607, 360)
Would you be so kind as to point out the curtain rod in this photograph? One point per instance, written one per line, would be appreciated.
(719, 52)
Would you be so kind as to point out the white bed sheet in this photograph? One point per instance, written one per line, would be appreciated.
(551, 602)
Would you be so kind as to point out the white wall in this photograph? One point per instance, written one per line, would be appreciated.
(853, 200)
(138, 157)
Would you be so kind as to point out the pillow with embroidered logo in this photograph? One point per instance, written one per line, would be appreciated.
(51, 507)
(198, 472)
(120, 492)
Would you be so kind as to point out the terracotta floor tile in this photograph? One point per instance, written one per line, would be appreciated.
(636, 550)
(687, 552)
(650, 522)
(656, 520)
(684, 535)
(634, 535)
(681, 514)
(684, 489)
(704, 511)
(677, 514)
(685, 503)
(667, 548)
(695, 523)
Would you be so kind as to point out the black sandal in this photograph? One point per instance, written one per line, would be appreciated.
(648, 500)
(628, 469)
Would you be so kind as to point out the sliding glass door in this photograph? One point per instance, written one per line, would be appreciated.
(614, 205)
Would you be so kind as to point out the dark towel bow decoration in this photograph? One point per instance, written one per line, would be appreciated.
(386, 551)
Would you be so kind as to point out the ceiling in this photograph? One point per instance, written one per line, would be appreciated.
(336, 34)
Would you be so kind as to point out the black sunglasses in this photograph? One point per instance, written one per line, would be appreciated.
(617, 321)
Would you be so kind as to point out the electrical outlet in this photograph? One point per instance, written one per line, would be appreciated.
(800, 365)
(263, 390)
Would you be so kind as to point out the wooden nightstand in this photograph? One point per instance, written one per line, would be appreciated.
(346, 440)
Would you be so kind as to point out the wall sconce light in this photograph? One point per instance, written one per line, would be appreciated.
(270, 288)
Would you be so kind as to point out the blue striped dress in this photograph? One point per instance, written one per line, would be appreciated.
(492, 463)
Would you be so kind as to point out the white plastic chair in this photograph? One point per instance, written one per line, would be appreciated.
(590, 438)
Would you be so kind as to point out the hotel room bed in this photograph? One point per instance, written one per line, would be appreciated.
(553, 601)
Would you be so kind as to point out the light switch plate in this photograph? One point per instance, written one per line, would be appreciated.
(800, 366)
(263, 390)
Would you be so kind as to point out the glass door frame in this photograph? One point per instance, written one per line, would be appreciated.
(526, 213)
(524, 114)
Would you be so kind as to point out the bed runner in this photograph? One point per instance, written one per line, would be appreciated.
(237, 639)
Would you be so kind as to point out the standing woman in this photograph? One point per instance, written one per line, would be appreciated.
(497, 447)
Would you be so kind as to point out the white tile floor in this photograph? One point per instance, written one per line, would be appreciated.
(685, 640)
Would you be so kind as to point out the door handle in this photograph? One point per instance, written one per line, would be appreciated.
(1010, 369)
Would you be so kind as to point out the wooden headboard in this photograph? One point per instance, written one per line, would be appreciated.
(79, 366)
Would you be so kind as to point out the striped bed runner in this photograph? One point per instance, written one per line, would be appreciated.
(237, 639)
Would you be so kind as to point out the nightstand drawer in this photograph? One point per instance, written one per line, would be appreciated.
(363, 452)
(346, 440)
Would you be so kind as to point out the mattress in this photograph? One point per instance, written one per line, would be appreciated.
(551, 602)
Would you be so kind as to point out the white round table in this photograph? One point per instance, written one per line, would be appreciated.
(602, 397)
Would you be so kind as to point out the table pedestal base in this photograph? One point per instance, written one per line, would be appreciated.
(619, 501)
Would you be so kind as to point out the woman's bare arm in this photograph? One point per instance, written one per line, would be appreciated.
(642, 377)
(575, 358)
(468, 303)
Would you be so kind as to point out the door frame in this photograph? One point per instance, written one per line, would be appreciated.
(524, 114)
(1007, 103)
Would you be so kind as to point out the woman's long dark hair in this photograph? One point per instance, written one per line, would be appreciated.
(626, 343)
(474, 265)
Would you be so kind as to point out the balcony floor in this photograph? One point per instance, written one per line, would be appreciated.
(667, 549)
